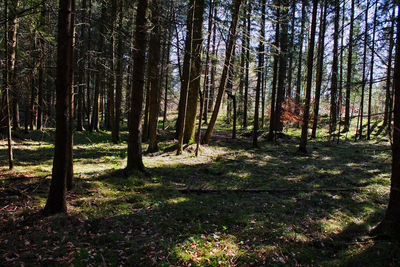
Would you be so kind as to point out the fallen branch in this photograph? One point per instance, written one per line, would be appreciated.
(267, 190)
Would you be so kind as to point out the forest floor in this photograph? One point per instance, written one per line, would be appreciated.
(316, 209)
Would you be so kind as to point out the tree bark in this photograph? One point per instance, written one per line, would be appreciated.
(334, 80)
(371, 75)
(320, 70)
(360, 132)
(300, 63)
(195, 73)
(349, 71)
(390, 225)
(282, 71)
(271, 134)
(310, 57)
(135, 161)
(119, 76)
(259, 74)
(56, 201)
(247, 70)
(154, 78)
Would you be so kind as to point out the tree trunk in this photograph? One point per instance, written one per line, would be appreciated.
(7, 89)
(259, 74)
(247, 70)
(360, 132)
(300, 63)
(320, 70)
(185, 78)
(349, 71)
(334, 79)
(99, 74)
(389, 97)
(228, 56)
(280, 92)
(371, 75)
(290, 51)
(56, 201)
(203, 108)
(154, 71)
(135, 161)
(390, 225)
(271, 134)
(310, 57)
(12, 49)
(195, 73)
(119, 76)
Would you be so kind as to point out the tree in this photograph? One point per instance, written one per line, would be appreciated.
(300, 60)
(349, 71)
(282, 71)
(259, 74)
(360, 132)
(5, 93)
(185, 78)
(271, 134)
(371, 74)
(119, 76)
(135, 161)
(56, 201)
(320, 63)
(195, 72)
(154, 71)
(388, 99)
(334, 80)
(310, 57)
(224, 76)
(390, 224)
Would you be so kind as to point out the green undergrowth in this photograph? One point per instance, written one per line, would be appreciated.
(137, 219)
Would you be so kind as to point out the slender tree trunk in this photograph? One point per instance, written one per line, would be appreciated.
(7, 89)
(349, 71)
(300, 63)
(12, 52)
(340, 98)
(228, 56)
(119, 76)
(56, 201)
(154, 71)
(89, 75)
(99, 73)
(290, 52)
(271, 134)
(185, 82)
(213, 66)
(203, 108)
(247, 70)
(334, 80)
(167, 73)
(135, 161)
(389, 97)
(371, 74)
(81, 76)
(39, 124)
(280, 92)
(310, 57)
(259, 74)
(320, 70)
(363, 74)
(185, 78)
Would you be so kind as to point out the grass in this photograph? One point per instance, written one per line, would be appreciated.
(140, 220)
